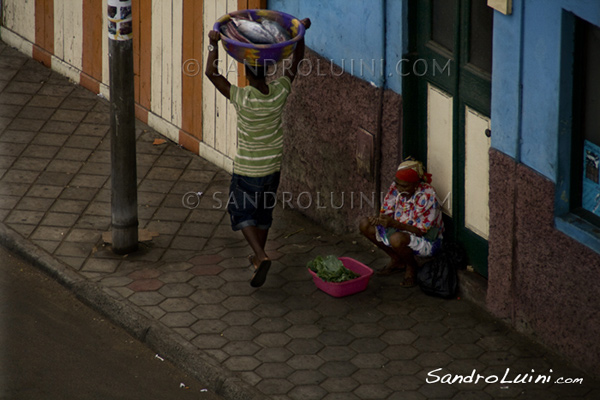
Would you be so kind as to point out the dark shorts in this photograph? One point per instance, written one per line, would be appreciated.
(252, 200)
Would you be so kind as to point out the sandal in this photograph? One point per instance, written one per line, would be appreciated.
(260, 273)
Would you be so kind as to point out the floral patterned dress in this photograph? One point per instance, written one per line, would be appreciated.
(422, 210)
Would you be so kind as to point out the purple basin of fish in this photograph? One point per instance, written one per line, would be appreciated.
(261, 54)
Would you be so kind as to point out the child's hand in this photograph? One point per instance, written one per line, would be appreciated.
(306, 22)
(214, 36)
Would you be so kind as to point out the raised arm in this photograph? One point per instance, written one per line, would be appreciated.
(298, 54)
(212, 71)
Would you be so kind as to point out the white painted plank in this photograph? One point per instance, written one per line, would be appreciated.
(439, 144)
(19, 17)
(163, 126)
(167, 59)
(232, 76)
(18, 42)
(221, 101)
(73, 32)
(209, 91)
(213, 156)
(105, 60)
(156, 56)
(176, 112)
(66, 69)
(477, 146)
(59, 29)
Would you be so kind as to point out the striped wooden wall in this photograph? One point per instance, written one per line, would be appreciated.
(171, 92)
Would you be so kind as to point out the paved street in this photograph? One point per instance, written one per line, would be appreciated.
(186, 292)
(56, 348)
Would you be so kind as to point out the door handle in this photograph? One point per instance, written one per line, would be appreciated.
(488, 132)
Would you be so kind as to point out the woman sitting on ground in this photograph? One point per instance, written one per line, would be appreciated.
(409, 223)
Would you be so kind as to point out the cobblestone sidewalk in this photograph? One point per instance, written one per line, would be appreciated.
(187, 293)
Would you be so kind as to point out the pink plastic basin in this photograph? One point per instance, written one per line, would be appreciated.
(349, 287)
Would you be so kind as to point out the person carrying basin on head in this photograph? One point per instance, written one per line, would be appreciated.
(257, 164)
(409, 223)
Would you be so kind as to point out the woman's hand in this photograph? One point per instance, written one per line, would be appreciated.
(306, 22)
(384, 220)
(214, 36)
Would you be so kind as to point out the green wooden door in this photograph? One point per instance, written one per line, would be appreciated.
(447, 92)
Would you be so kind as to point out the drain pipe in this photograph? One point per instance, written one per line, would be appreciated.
(379, 138)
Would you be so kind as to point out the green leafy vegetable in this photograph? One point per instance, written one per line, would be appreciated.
(331, 269)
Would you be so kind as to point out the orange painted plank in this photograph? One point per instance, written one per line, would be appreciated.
(92, 38)
(192, 71)
(141, 113)
(145, 52)
(187, 59)
(87, 57)
(40, 21)
(189, 142)
(199, 56)
(135, 25)
(42, 56)
(89, 83)
(257, 4)
(49, 26)
(97, 38)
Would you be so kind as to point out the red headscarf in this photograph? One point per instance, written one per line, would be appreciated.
(412, 171)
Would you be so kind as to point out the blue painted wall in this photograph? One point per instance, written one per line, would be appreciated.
(351, 34)
(527, 55)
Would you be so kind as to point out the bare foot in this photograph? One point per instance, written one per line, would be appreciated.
(393, 267)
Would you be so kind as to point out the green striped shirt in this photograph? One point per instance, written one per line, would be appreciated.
(259, 127)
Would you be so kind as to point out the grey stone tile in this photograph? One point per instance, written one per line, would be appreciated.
(44, 100)
(24, 217)
(178, 319)
(23, 229)
(19, 176)
(92, 130)
(69, 206)
(10, 111)
(8, 202)
(16, 99)
(64, 166)
(31, 163)
(41, 113)
(34, 204)
(44, 191)
(50, 139)
(172, 290)
(56, 90)
(209, 341)
(63, 127)
(89, 181)
(40, 151)
(100, 265)
(61, 179)
(268, 370)
(68, 115)
(73, 154)
(146, 298)
(26, 124)
(177, 304)
(100, 118)
(83, 236)
(23, 87)
(48, 245)
(83, 142)
(76, 103)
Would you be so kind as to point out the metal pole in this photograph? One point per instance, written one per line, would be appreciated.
(122, 123)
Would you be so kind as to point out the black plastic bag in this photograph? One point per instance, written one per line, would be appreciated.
(439, 276)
